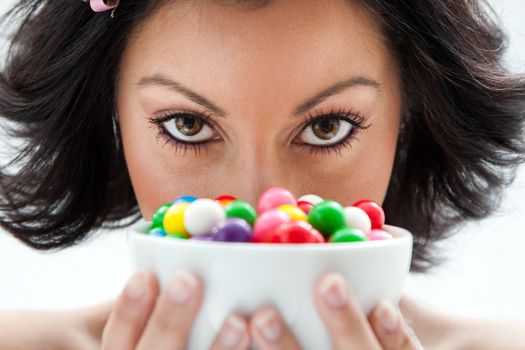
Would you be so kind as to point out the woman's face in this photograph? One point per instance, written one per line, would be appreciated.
(216, 99)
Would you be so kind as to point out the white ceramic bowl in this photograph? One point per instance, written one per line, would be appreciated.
(244, 277)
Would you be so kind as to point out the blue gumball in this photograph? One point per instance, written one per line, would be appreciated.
(186, 199)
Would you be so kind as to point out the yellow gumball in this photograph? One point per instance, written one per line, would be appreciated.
(174, 219)
(295, 213)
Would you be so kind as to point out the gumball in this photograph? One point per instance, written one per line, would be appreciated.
(358, 218)
(185, 199)
(173, 221)
(378, 235)
(158, 215)
(348, 234)
(327, 217)
(317, 237)
(232, 230)
(157, 232)
(374, 212)
(178, 235)
(202, 215)
(356, 204)
(274, 197)
(295, 213)
(310, 198)
(305, 206)
(225, 199)
(242, 210)
(266, 224)
(144, 226)
(203, 238)
(297, 232)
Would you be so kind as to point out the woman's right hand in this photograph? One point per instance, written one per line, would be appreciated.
(144, 319)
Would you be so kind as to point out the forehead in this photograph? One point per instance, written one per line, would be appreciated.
(302, 40)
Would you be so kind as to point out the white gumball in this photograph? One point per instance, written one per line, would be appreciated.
(202, 215)
(310, 198)
(358, 218)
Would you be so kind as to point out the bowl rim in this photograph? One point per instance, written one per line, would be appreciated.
(401, 237)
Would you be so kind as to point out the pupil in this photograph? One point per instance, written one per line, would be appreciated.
(189, 126)
(326, 129)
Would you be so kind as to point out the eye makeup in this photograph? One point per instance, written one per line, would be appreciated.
(186, 130)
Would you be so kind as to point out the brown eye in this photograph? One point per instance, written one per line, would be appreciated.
(326, 131)
(188, 128)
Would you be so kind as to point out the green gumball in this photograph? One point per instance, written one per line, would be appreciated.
(327, 216)
(241, 210)
(158, 216)
(348, 234)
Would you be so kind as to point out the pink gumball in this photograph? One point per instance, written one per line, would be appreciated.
(266, 226)
(378, 235)
(275, 197)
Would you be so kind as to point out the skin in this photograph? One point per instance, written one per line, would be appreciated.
(236, 58)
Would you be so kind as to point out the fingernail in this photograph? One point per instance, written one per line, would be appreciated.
(333, 290)
(233, 330)
(268, 325)
(388, 317)
(137, 285)
(182, 286)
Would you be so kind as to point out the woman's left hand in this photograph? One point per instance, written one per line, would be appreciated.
(348, 326)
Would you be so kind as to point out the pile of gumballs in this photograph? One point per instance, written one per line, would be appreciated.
(279, 218)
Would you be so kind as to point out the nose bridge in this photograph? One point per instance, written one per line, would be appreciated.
(256, 166)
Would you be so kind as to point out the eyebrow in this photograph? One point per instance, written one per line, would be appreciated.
(163, 80)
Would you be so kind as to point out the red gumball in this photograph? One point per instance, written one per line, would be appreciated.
(305, 206)
(356, 204)
(374, 212)
(225, 197)
(297, 231)
(317, 237)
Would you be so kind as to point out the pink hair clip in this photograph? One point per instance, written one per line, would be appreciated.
(102, 5)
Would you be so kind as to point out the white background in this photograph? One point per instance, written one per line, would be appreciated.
(484, 274)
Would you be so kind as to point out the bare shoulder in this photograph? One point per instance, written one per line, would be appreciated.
(73, 329)
(439, 330)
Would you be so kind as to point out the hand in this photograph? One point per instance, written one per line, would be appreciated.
(349, 328)
(143, 319)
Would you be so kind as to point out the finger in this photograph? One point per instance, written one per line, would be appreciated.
(346, 323)
(173, 315)
(269, 331)
(233, 334)
(131, 312)
(391, 330)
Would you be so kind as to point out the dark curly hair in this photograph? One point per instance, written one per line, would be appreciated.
(459, 144)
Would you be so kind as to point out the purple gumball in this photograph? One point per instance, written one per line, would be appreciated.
(232, 230)
(202, 238)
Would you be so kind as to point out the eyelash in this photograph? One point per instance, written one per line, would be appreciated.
(358, 121)
(180, 145)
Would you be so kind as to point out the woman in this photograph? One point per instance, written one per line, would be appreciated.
(406, 103)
